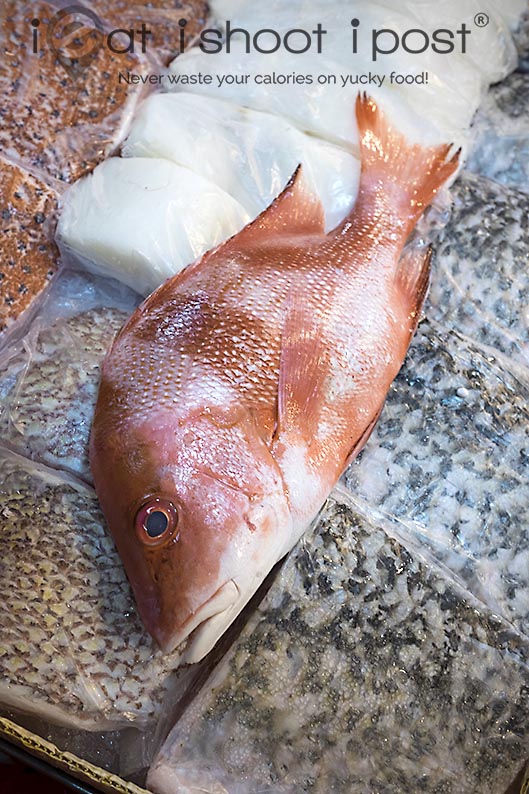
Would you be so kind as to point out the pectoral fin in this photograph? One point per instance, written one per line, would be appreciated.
(301, 371)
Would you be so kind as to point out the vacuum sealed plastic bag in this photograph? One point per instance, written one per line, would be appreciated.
(248, 154)
(144, 219)
(64, 108)
(60, 117)
(480, 279)
(72, 647)
(138, 219)
(312, 88)
(29, 255)
(364, 669)
(63, 111)
(448, 461)
(49, 379)
(501, 133)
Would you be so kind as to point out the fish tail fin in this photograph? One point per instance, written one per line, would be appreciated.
(407, 175)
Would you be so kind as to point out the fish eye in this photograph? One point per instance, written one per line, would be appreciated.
(156, 521)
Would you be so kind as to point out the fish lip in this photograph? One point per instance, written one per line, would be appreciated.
(222, 601)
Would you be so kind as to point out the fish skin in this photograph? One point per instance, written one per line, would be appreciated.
(72, 648)
(240, 389)
(364, 669)
(480, 277)
(49, 383)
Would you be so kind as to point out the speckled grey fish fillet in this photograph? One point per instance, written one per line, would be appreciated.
(480, 268)
(364, 670)
(500, 147)
(48, 388)
(72, 647)
(49, 379)
(449, 459)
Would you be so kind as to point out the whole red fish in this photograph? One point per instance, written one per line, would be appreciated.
(236, 394)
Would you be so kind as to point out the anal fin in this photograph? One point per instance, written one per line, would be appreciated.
(413, 280)
(362, 441)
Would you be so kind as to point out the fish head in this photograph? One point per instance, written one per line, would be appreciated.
(197, 509)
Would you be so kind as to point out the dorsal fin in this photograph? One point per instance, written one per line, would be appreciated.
(296, 210)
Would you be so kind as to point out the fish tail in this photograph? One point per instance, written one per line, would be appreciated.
(403, 176)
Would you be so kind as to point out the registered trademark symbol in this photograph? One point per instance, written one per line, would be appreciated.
(482, 19)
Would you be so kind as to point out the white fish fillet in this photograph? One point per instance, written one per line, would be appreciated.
(143, 219)
(248, 154)
(451, 95)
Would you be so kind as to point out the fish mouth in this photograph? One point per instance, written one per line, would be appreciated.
(206, 625)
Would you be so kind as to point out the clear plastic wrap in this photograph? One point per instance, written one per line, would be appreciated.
(248, 154)
(29, 255)
(326, 110)
(143, 219)
(365, 669)
(61, 121)
(113, 223)
(500, 147)
(451, 93)
(54, 122)
(448, 461)
(72, 647)
(60, 117)
(49, 379)
(480, 279)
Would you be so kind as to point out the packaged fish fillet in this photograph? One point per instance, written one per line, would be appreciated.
(480, 280)
(366, 668)
(121, 221)
(500, 148)
(29, 254)
(63, 111)
(143, 219)
(72, 647)
(61, 115)
(248, 154)
(49, 378)
(449, 461)
(246, 159)
(451, 90)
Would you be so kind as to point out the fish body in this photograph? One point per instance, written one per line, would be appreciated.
(236, 394)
